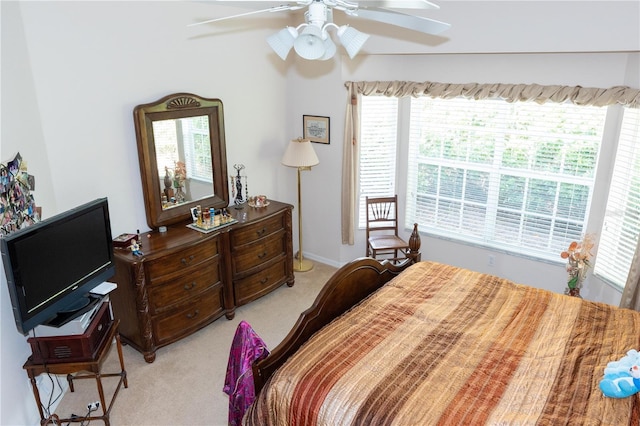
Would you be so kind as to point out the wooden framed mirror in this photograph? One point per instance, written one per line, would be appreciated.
(182, 154)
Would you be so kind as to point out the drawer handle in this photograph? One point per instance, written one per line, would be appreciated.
(261, 255)
(185, 261)
(188, 287)
(194, 314)
(264, 280)
(261, 232)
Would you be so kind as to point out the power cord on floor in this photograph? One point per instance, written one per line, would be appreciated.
(82, 419)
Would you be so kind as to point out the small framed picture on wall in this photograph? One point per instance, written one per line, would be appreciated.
(316, 128)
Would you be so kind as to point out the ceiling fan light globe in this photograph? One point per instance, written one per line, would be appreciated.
(352, 39)
(309, 44)
(282, 41)
(329, 49)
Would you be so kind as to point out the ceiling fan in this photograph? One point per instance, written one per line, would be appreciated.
(311, 39)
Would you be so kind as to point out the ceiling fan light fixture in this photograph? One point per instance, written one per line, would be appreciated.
(310, 39)
(309, 44)
(282, 41)
(351, 39)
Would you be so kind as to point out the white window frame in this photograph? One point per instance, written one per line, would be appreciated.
(620, 228)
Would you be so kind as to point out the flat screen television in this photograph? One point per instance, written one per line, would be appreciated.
(52, 266)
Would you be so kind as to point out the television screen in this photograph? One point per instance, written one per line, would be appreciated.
(51, 266)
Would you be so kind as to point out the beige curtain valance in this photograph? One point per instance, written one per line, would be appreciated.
(620, 95)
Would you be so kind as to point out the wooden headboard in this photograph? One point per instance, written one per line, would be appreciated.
(346, 288)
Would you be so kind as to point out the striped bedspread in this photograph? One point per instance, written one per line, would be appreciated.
(440, 345)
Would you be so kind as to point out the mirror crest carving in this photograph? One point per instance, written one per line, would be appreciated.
(182, 102)
(182, 155)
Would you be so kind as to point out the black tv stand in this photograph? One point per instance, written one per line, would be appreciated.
(87, 303)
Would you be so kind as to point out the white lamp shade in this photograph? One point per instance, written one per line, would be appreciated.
(300, 153)
(329, 49)
(352, 39)
(282, 41)
(309, 44)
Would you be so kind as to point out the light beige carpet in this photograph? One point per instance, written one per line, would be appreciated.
(184, 384)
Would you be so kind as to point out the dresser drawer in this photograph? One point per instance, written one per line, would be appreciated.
(256, 231)
(259, 252)
(261, 283)
(175, 291)
(180, 261)
(188, 317)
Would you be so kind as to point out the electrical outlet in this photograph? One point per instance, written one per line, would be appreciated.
(492, 260)
(93, 406)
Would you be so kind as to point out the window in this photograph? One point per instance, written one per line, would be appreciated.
(619, 237)
(510, 175)
(518, 176)
(378, 137)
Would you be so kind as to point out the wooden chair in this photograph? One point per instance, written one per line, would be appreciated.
(382, 229)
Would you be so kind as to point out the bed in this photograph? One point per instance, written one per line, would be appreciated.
(430, 343)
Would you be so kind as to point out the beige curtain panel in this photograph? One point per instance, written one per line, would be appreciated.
(350, 168)
(631, 293)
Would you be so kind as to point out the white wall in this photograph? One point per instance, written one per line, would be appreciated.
(94, 62)
(72, 72)
(21, 134)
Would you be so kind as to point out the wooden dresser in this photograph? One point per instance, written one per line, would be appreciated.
(187, 279)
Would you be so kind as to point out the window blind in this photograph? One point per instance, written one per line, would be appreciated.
(517, 176)
(378, 135)
(619, 237)
(197, 153)
(166, 142)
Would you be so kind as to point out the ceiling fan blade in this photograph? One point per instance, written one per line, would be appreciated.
(398, 4)
(416, 23)
(253, 12)
(257, 4)
(338, 4)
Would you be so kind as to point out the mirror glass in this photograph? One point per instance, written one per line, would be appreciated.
(182, 156)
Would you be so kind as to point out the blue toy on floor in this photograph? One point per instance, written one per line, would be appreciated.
(622, 378)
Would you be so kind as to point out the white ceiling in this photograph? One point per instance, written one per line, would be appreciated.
(486, 27)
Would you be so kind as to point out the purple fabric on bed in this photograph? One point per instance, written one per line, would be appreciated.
(246, 348)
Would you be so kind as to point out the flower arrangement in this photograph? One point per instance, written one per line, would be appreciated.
(578, 257)
(173, 182)
(179, 174)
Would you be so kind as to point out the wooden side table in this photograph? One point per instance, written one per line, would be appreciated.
(82, 370)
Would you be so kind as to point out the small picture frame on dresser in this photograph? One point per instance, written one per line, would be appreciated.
(194, 214)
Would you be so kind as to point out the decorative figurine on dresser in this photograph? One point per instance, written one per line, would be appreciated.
(191, 274)
(237, 186)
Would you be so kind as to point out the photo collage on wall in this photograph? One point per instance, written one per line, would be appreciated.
(17, 205)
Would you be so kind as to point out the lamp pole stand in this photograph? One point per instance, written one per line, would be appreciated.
(301, 264)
